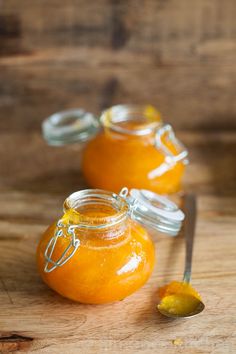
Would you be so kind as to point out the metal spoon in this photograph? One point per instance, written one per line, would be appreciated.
(189, 230)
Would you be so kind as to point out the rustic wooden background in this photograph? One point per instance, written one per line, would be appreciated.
(177, 54)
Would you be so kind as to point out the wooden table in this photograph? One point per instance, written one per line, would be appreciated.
(35, 179)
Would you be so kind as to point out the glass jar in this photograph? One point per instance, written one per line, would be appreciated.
(98, 251)
(128, 146)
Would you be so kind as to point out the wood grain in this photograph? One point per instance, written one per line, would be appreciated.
(179, 55)
(34, 181)
(176, 54)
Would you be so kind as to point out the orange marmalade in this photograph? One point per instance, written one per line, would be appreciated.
(134, 150)
(95, 254)
(178, 298)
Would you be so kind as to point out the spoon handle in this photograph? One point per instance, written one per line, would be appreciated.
(190, 207)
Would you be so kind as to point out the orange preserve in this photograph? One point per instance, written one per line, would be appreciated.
(128, 146)
(98, 252)
(178, 299)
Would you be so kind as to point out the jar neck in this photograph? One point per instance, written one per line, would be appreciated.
(132, 120)
(97, 214)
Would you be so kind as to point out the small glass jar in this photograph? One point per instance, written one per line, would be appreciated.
(98, 251)
(128, 146)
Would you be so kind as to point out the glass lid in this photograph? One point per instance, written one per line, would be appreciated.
(73, 125)
(153, 210)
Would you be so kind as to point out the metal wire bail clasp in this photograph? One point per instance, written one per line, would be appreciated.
(133, 202)
(67, 253)
(170, 158)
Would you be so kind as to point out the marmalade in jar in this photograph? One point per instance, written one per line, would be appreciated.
(125, 153)
(115, 256)
(98, 251)
(128, 146)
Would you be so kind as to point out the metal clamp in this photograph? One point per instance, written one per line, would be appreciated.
(170, 159)
(74, 244)
(124, 192)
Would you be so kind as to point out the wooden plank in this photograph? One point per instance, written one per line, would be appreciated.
(55, 171)
(31, 310)
(176, 54)
(173, 28)
(35, 319)
(196, 96)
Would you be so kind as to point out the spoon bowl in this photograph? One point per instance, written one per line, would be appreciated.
(196, 307)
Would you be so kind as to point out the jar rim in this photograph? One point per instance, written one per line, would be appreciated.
(93, 197)
(147, 119)
(146, 207)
